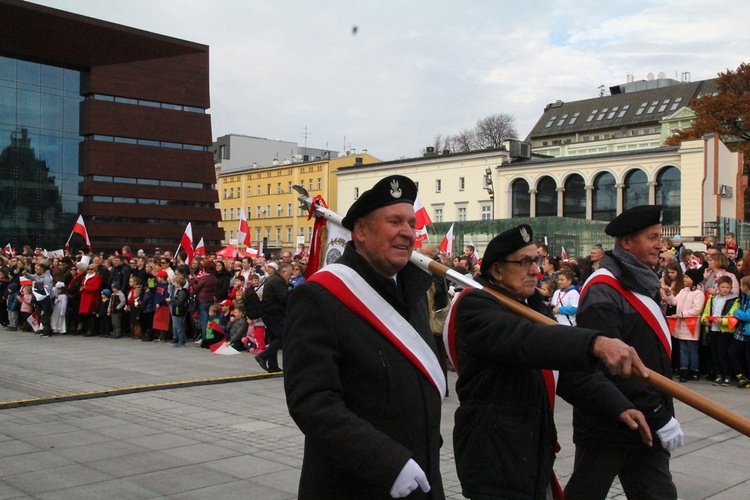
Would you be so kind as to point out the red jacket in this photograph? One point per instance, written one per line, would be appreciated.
(91, 289)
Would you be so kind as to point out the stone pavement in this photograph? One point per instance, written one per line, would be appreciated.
(233, 440)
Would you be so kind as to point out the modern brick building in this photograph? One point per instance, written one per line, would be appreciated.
(105, 121)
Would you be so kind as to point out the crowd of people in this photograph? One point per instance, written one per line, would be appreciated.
(152, 298)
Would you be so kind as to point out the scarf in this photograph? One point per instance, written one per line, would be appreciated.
(643, 275)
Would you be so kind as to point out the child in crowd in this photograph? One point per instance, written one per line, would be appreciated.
(59, 309)
(239, 285)
(689, 303)
(43, 306)
(14, 305)
(117, 304)
(133, 283)
(739, 349)
(161, 306)
(237, 328)
(214, 330)
(147, 315)
(135, 309)
(547, 289)
(565, 299)
(715, 314)
(179, 310)
(102, 313)
(26, 308)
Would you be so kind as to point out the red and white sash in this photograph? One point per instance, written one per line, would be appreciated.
(645, 306)
(356, 294)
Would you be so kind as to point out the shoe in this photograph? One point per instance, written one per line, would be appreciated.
(46, 335)
(146, 339)
(178, 344)
(89, 334)
(115, 336)
(695, 376)
(262, 362)
(104, 335)
(683, 375)
(159, 341)
(275, 370)
(726, 382)
(717, 380)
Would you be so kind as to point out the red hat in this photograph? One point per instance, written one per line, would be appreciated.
(226, 303)
(162, 274)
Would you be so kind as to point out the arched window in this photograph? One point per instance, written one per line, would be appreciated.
(520, 199)
(604, 197)
(546, 197)
(574, 197)
(635, 191)
(668, 182)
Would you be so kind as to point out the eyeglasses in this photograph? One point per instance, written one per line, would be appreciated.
(524, 264)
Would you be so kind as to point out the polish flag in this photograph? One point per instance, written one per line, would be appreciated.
(243, 233)
(423, 220)
(187, 243)
(260, 248)
(564, 254)
(447, 244)
(200, 249)
(80, 228)
(8, 250)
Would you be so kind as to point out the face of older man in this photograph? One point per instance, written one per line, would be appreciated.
(516, 274)
(385, 238)
(645, 245)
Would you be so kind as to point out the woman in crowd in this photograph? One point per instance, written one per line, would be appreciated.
(204, 287)
(223, 277)
(717, 267)
(91, 288)
(550, 270)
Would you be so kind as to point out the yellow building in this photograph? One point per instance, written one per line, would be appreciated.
(271, 207)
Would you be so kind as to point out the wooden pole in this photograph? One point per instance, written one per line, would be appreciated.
(660, 382)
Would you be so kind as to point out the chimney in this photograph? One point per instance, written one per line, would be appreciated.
(429, 151)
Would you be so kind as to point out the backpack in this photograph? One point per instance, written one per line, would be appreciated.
(253, 306)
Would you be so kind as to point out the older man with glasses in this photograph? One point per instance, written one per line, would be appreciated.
(504, 434)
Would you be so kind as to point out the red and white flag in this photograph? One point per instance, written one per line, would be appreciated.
(80, 228)
(200, 249)
(243, 233)
(187, 243)
(447, 244)
(423, 220)
(564, 254)
(8, 250)
(260, 248)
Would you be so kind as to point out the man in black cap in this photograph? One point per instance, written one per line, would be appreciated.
(624, 295)
(361, 373)
(504, 435)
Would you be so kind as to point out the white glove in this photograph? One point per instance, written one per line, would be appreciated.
(670, 435)
(409, 479)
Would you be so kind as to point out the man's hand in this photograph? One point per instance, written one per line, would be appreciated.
(409, 479)
(635, 420)
(618, 357)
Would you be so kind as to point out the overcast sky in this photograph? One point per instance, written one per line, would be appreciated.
(415, 69)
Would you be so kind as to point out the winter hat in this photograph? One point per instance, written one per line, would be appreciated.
(106, 292)
(696, 275)
(677, 238)
(59, 284)
(13, 286)
(114, 285)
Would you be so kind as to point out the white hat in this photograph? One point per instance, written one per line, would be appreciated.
(273, 265)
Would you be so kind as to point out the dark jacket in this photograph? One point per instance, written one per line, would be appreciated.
(601, 305)
(275, 296)
(205, 288)
(179, 303)
(364, 408)
(222, 284)
(504, 436)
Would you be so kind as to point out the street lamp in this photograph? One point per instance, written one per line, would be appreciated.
(490, 189)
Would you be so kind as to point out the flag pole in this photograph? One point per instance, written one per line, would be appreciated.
(659, 381)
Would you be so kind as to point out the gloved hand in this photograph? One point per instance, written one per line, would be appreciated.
(409, 479)
(670, 435)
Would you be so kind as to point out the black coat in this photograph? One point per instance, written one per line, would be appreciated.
(275, 296)
(603, 305)
(504, 435)
(364, 408)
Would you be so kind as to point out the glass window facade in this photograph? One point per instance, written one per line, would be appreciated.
(39, 140)
(574, 197)
(668, 188)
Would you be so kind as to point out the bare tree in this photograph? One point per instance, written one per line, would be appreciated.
(463, 141)
(492, 131)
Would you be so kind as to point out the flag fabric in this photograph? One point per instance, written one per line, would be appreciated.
(201, 248)
(447, 244)
(187, 243)
(327, 244)
(243, 233)
(80, 228)
(8, 250)
(423, 220)
(564, 254)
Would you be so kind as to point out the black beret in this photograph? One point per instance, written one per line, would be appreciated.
(389, 191)
(634, 219)
(696, 275)
(505, 244)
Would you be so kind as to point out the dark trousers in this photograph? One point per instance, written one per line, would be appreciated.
(720, 342)
(739, 353)
(643, 472)
(274, 333)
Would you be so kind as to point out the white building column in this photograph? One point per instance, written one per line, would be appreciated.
(618, 189)
(532, 202)
(589, 202)
(560, 192)
(652, 192)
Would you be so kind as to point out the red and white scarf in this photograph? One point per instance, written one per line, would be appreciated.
(645, 306)
(355, 293)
